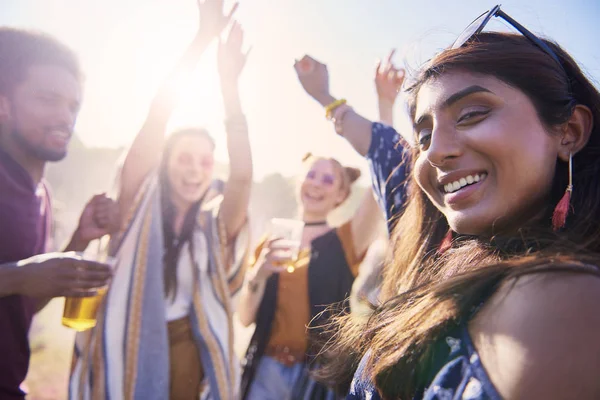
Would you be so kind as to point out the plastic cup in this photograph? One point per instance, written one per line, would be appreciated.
(289, 231)
(80, 312)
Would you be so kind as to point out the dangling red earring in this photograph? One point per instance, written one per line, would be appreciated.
(559, 217)
(446, 242)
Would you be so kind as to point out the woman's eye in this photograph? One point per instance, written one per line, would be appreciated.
(423, 139)
(328, 180)
(469, 115)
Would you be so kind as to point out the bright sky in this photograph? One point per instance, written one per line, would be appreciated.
(128, 46)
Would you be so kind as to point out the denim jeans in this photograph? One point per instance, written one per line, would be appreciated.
(274, 381)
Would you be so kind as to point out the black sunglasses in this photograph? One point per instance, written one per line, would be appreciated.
(480, 22)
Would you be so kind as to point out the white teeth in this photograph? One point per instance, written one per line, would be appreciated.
(314, 197)
(60, 134)
(462, 182)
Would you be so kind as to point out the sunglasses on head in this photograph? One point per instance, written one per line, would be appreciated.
(480, 22)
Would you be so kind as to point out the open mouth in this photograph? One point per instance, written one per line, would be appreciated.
(192, 185)
(313, 197)
(460, 183)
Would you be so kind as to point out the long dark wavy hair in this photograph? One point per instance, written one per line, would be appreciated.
(172, 242)
(424, 292)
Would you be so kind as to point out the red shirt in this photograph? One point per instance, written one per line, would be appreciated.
(25, 217)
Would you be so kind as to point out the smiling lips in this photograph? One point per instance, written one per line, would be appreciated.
(458, 184)
(313, 197)
(192, 185)
(60, 136)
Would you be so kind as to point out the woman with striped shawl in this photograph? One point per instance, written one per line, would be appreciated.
(165, 328)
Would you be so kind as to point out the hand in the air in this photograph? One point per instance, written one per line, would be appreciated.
(388, 79)
(213, 19)
(230, 57)
(314, 78)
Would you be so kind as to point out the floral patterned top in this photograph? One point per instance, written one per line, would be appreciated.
(386, 156)
(457, 374)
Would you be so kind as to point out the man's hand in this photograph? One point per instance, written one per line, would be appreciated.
(99, 217)
(61, 274)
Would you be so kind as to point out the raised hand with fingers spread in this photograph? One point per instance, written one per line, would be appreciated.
(213, 19)
(143, 156)
(231, 59)
(388, 79)
(388, 82)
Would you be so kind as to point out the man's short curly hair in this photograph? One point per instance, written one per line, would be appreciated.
(20, 49)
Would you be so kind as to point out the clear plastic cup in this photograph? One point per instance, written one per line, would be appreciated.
(289, 231)
(80, 312)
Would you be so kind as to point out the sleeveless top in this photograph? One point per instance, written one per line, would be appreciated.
(330, 279)
(457, 373)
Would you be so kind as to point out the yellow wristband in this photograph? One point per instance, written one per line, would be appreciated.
(331, 107)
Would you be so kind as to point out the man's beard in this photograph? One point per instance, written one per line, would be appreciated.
(38, 152)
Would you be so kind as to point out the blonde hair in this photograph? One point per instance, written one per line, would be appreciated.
(348, 175)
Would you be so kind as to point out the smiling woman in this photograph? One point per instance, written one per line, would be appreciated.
(181, 257)
(476, 296)
(480, 127)
(287, 293)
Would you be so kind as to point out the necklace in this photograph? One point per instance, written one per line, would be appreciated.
(317, 223)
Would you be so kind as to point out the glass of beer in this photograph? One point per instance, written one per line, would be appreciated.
(80, 312)
(290, 233)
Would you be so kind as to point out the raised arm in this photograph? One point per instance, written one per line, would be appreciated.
(314, 78)
(144, 154)
(236, 194)
(388, 82)
(366, 223)
(381, 144)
